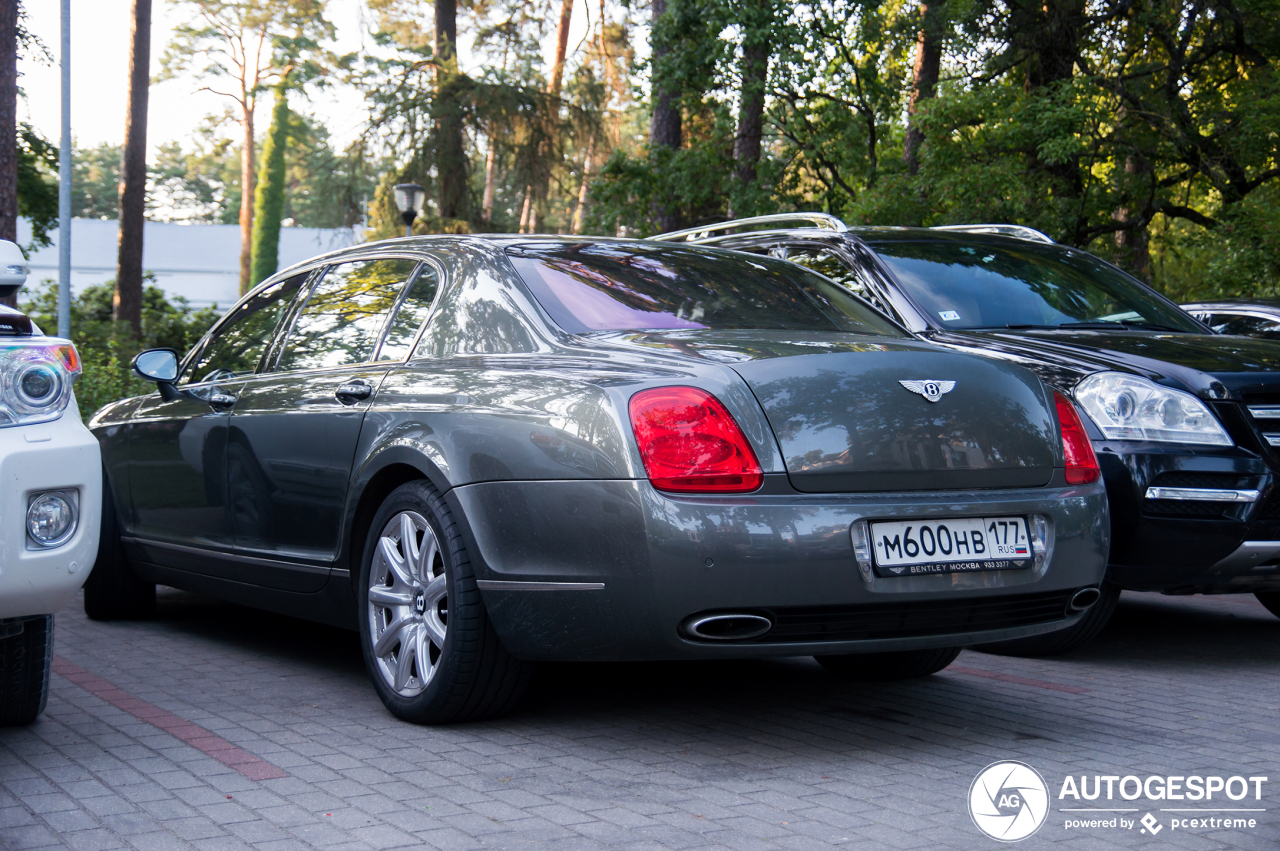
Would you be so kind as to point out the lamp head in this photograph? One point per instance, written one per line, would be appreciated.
(409, 198)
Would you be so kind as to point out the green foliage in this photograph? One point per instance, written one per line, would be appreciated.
(107, 348)
(199, 184)
(325, 188)
(37, 184)
(216, 41)
(95, 182)
(630, 189)
(268, 201)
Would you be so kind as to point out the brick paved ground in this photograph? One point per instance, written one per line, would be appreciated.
(762, 755)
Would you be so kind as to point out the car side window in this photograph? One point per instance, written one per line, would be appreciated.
(344, 316)
(236, 347)
(414, 309)
(835, 267)
(1245, 326)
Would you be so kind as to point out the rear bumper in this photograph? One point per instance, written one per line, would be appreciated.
(62, 455)
(614, 568)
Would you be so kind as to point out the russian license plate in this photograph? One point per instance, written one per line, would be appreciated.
(911, 547)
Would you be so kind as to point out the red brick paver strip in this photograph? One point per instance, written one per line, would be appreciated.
(1022, 681)
(210, 744)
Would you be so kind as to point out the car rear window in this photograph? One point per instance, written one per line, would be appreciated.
(591, 287)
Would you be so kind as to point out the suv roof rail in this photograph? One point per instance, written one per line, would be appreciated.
(817, 220)
(1016, 231)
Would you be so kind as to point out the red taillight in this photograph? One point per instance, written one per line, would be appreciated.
(690, 444)
(1082, 464)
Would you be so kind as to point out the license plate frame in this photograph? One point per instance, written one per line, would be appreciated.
(1015, 552)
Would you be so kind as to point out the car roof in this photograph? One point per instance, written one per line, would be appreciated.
(1273, 303)
(428, 242)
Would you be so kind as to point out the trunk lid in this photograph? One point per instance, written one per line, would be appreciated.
(847, 423)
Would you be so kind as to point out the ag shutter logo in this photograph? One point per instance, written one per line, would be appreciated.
(1008, 801)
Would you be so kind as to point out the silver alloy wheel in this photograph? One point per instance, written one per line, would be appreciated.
(408, 611)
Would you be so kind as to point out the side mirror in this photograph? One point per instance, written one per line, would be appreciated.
(159, 365)
(13, 268)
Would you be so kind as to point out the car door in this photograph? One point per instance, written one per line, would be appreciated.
(293, 434)
(177, 441)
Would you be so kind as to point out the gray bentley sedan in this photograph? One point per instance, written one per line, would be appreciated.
(486, 451)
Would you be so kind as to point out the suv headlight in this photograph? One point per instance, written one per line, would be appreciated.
(1126, 407)
(35, 380)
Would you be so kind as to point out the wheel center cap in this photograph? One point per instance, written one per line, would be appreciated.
(420, 603)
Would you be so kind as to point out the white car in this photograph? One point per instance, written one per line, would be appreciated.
(50, 497)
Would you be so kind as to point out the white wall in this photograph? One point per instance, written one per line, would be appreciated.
(198, 262)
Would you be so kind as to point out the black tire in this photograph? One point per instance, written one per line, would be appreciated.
(885, 667)
(471, 675)
(1270, 599)
(25, 660)
(1084, 631)
(113, 591)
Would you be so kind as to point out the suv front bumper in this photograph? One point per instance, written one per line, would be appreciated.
(58, 456)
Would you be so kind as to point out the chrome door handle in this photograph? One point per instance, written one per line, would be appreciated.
(352, 392)
(221, 401)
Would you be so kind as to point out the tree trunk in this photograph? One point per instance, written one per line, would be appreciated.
(581, 209)
(524, 212)
(268, 201)
(9, 126)
(248, 183)
(1134, 241)
(755, 74)
(1052, 43)
(562, 47)
(924, 77)
(451, 161)
(548, 147)
(666, 128)
(490, 167)
(126, 302)
(665, 125)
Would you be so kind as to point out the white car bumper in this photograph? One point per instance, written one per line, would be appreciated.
(63, 456)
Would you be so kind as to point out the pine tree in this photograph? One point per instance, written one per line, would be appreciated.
(268, 197)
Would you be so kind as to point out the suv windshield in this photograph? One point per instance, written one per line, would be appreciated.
(988, 285)
(589, 287)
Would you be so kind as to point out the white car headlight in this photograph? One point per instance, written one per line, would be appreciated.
(35, 380)
(1127, 407)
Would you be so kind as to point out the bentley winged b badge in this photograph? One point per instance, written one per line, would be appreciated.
(929, 389)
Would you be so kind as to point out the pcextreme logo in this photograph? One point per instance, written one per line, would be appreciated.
(1010, 801)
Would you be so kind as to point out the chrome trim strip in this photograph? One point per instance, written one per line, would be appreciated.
(1265, 412)
(1273, 439)
(822, 221)
(1018, 231)
(1250, 553)
(1204, 494)
(229, 556)
(511, 585)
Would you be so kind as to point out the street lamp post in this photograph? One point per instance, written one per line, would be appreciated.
(64, 178)
(409, 198)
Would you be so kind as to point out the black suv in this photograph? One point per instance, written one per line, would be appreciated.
(1185, 423)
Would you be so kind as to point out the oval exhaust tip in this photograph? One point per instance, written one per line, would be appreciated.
(1083, 599)
(729, 627)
